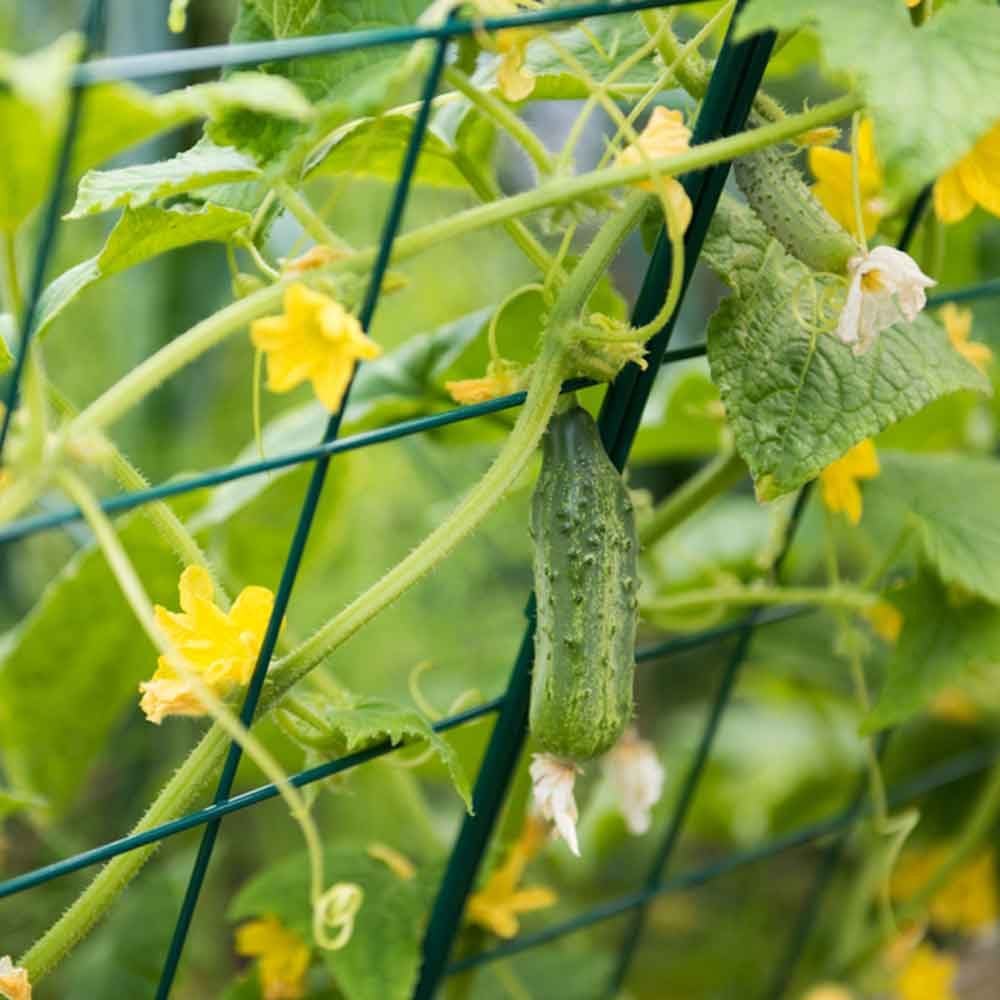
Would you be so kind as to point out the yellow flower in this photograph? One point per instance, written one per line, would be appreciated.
(967, 903)
(834, 186)
(282, 957)
(958, 326)
(839, 480)
(220, 647)
(316, 339)
(954, 705)
(927, 975)
(515, 82)
(14, 983)
(495, 907)
(665, 135)
(974, 180)
(885, 619)
(502, 378)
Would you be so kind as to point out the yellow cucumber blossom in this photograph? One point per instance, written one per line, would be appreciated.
(958, 326)
(495, 907)
(838, 482)
(927, 974)
(885, 619)
(834, 187)
(822, 135)
(515, 81)
(14, 984)
(829, 991)
(282, 957)
(552, 781)
(502, 378)
(665, 135)
(636, 776)
(974, 180)
(966, 904)
(884, 287)
(316, 339)
(221, 647)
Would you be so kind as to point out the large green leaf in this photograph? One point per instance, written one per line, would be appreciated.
(946, 636)
(64, 683)
(375, 147)
(131, 187)
(139, 235)
(798, 399)
(946, 500)
(382, 958)
(355, 81)
(932, 91)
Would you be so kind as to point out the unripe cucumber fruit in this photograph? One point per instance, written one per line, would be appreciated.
(585, 586)
(793, 216)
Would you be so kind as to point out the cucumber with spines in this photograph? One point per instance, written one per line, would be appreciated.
(793, 216)
(586, 573)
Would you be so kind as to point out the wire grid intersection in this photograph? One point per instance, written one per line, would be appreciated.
(738, 71)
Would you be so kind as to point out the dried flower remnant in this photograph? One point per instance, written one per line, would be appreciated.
(552, 780)
(636, 776)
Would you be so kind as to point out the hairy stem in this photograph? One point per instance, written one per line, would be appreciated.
(836, 597)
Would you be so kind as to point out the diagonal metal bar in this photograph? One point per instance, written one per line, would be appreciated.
(391, 227)
(50, 223)
(727, 104)
(951, 770)
(208, 57)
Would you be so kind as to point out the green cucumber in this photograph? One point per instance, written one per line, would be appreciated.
(793, 216)
(585, 587)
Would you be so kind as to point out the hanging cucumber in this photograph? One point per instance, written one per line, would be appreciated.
(585, 585)
(780, 197)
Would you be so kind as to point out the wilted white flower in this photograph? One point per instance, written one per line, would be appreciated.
(886, 286)
(552, 783)
(636, 777)
(13, 980)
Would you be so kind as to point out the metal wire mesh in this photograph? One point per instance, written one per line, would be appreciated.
(734, 82)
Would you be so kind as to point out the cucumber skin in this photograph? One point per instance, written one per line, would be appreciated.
(793, 216)
(586, 578)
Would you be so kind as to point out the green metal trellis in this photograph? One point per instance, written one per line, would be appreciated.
(737, 74)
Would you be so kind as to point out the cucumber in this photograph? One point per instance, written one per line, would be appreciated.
(585, 569)
(793, 216)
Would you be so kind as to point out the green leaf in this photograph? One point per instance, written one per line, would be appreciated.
(942, 498)
(600, 44)
(797, 400)
(139, 235)
(131, 187)
(945, 637)
(932, 91)
(382, 958)
(262, 93)
(375, 147)
(63, 683)
(346, 82)
(364, 722)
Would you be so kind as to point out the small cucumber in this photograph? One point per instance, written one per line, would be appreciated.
(585, 586)
(780, 197)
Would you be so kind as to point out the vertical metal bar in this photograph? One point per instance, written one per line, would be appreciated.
(390, 229)
(50, 220)
(723, 112)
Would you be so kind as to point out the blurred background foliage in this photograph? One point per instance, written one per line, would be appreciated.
(787, 753)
